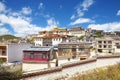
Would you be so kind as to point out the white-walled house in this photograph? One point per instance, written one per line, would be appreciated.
(104, 45)
(12, 52)
(49, 40)
(107, 45)
(77, 31)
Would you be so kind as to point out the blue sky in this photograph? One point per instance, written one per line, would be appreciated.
(22, 17)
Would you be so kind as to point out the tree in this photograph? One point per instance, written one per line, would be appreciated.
(81, 37)
(99, 34)
(30, 40)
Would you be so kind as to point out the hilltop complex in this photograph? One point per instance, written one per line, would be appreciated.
(50, 48)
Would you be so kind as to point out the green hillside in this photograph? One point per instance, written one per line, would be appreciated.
(8, 37)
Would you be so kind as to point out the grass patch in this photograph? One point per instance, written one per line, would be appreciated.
(109, 73)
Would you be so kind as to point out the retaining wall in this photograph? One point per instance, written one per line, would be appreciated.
(72, 68)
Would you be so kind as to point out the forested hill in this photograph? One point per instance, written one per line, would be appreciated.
(8, 37)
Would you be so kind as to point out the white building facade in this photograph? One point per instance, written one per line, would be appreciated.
(49, 40)
(107, 45)
(12, 52)
(77, 31)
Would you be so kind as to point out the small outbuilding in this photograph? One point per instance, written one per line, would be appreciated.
(38, 54)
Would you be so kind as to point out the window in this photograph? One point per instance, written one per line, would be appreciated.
(109, 42)
(104, 42)
(66, 50)
(26, 55)
(100, 42)
(47, 44)
(105, 46)
(81, 49)
(110, 51)
(44, 56)
(31, 55)
(117, 43)
(4, 52)
(99, 50)
(100, 46)
(118, 47)
(109, 46)
(38, 55)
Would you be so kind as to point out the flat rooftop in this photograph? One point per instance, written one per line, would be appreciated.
(43, 48)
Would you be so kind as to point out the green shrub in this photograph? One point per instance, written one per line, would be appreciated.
(8, 75)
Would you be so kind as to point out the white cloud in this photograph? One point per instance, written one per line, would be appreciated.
(2, 7)
(118, 13)
(4, 31)
(52, 22)
(86, 4)
(114, 26)
(1, 24)
(82, 20)
(14, 14)
(81, 8)
(40, 6)
(80, 12)
(19, 25)
(72, 17)
(26, 10)
(22, 27)
(19, 15)
(42, 15)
